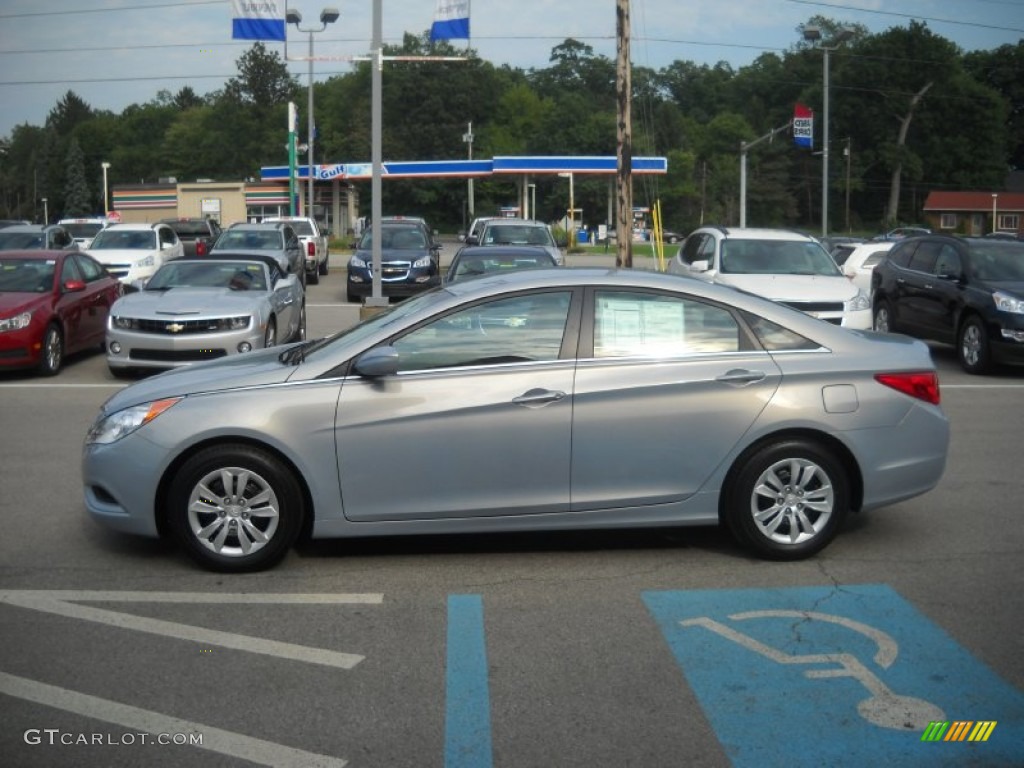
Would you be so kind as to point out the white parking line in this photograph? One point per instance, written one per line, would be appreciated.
(57, 602)
(213, 739)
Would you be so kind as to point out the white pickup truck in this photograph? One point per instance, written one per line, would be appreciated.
(314, 244)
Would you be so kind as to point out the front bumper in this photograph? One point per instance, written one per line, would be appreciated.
(145, 350)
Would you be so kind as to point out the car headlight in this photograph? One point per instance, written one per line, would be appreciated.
(147, 261)
(858, 302)
(15, 323)
(355, 261)
(1007, 303)
(112, 428)
(233, 323)
(123, 323)
(422, 263)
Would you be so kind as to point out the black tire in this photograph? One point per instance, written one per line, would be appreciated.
(270, 337)
(352, 298)
(52, 353)
(972, 346)
(300, 332)
(313, 278)
(779, 517)
(233, 530)
(882, 317)
(325, 266)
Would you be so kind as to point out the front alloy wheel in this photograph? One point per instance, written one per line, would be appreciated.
(788, 500)
(972, 348)
(52, 356)
(235, 508)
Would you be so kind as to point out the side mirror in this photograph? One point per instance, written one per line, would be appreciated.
(562, 242)
(472, 240)
(701, 265)
(377, 362)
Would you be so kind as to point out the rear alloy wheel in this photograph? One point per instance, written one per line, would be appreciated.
(270, 337)
(52, 352)
(883, 317)
(235, 508)
(972, 346)
(300, 331)
(788, 501)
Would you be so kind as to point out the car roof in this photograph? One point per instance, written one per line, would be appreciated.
(494, 251)
(35, 254)
(134, 225)
(27, 228)
(760, 233)
(263, 226)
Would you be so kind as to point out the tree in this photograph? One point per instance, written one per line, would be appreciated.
(263, 79)
(70, 112)
(77, 200)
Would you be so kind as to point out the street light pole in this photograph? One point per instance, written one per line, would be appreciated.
(46, 212)
(467, 137)
(813, 33)
(995, 202)
(106, 197)
(327, 16)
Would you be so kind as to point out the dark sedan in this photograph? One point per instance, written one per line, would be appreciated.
(963, 291)
(474, 260)
(52, 303)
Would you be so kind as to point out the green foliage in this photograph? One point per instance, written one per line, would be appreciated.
(77, 200)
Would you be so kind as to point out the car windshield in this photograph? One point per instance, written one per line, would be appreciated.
(190, 228)
(268, 240)
(396, 238)
(82, 229)
(109, 239)
(517, 234)
(998, 262)
(302, 228)
(236, 275)
(480, 264)
(10, 241)
(776, 257)
(26, 275)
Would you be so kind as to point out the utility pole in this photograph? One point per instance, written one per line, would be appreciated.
(624, 139)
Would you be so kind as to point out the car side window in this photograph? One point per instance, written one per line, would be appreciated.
(525, 328)
(689, 249)
(91, 270)
(924, 257)
(707, 251)
(901, 253)
(948, 262)
(71, 271)
(167, 236)
(633, 324)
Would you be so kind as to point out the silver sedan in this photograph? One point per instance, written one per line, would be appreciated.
(546, 399)
(200, 309)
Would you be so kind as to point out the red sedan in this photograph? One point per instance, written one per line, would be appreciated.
(52, 303)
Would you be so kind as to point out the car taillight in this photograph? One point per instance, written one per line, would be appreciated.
(200, 248)
(310, 249)
(922, 385)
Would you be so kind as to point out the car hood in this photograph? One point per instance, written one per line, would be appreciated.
(15, 302)
(793, 287)
(121, 255)
(182, 302)
(394, 254)
(257, 368)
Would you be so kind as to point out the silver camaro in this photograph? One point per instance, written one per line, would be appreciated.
(200, 309)
(545, 399)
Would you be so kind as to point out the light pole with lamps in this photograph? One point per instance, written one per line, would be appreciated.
(46, 212)
(812, 34)
(106, 195)
(467, 138)
(327, 16)
(995, 203)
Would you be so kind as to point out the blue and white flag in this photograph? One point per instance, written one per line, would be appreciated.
(451, 20)
(257, 19)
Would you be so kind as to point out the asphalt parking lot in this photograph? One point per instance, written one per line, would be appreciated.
(639, 648)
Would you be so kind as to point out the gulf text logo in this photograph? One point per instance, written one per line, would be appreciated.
(958, 730)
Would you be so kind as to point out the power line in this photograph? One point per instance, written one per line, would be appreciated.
(29, 14)
(907, 15)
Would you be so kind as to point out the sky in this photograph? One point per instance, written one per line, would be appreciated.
(114, 53)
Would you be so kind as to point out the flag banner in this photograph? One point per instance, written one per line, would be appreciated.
(257, 19)
(451, 21)
(803, 126)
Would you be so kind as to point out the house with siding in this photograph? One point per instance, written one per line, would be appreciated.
(975, 213)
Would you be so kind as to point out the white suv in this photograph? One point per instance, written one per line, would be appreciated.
(783, 266)
(133, 252)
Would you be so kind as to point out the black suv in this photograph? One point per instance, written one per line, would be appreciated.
(963, 291)
(410, 260)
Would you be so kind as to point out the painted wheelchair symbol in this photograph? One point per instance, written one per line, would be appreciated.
(883, 708)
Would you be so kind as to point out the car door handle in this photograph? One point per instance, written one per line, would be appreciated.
(537, 398)
(741, 376)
